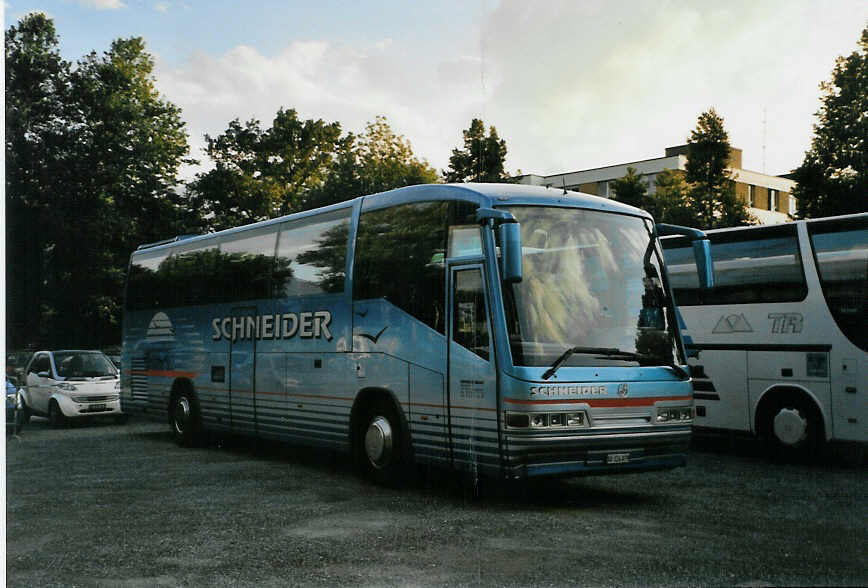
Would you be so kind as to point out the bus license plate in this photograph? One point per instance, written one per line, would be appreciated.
(614, 458)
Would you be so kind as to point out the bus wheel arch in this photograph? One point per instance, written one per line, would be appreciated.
(184, 415)
(790, 421)
(380, 436)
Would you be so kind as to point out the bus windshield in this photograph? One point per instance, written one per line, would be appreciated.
(592, 280)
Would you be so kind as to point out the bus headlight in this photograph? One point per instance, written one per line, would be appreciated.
(538, 421)
(545, 420)
(673, 414)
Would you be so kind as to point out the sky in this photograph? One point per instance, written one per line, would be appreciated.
(569, 85)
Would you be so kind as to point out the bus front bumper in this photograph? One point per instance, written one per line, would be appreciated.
(595, 453)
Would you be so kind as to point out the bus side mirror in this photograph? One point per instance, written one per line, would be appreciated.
(510, 251)
(701, 250)
(702, 254)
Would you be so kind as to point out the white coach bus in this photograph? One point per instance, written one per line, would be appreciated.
(781, 338)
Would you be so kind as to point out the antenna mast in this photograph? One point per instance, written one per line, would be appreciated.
(764, 139)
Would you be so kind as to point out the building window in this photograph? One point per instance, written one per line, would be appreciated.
(791, 205)
(773, 199)
(751, 196)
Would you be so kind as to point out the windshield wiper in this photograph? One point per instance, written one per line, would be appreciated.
(608, 352)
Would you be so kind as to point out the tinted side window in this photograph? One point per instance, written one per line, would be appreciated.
(144, 285)
(750, 266)
(399, 257)
(470, 320)
(186, 276)
(244, 267)
(312, 255)
(841, 254)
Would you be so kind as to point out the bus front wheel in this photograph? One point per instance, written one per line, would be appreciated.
(792, 429)
(379, 444)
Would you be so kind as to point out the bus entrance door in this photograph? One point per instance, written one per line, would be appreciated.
(242, 364)
(472, 378)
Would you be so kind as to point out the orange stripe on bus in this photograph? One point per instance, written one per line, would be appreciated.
(602, 402)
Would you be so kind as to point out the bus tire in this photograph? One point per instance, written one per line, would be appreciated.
(792, 428)
(379, 444)
(184, 418)
(56, 418)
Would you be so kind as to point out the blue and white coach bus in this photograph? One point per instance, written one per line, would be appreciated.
(505, 330)
(782, 336)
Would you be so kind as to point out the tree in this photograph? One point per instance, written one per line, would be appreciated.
(481, 160)
(92, 155)
(668, 203)
(375, 161)
(262, 173)
(631, 189)
(833, 178)
(386, 160)
(712, 189)
(37, 89)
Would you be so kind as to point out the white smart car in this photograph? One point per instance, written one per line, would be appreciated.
(71, 384)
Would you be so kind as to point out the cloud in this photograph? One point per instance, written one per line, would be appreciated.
(351, 85)
(569, 85)
(102, 4)
(162, 7)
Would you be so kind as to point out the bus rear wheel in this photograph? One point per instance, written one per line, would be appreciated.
(184, 419)
(379, 444)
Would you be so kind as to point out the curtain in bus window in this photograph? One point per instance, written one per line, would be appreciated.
(312, 255)
(841, 253)
(585, 283)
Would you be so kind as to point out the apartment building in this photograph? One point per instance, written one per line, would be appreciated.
(769, 198)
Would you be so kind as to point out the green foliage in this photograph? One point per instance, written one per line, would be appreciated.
(712, 190)
(703, 195)
(92, 157)
(668, 203)
(386, 160)
(37, 89)
(297, 165)
(481, 160)
(833, 178)
(375, 161)
(263, 173)
(631, 189)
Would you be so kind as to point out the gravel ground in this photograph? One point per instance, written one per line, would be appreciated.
(122, 505)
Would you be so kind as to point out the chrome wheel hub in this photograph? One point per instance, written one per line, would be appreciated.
(378, 442)
(182, 415)
(791, 428)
